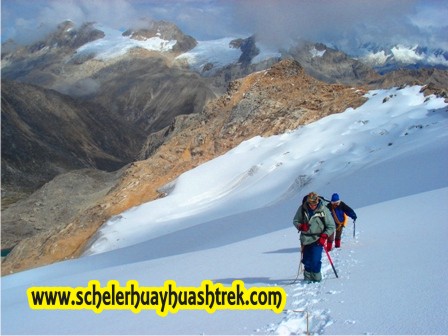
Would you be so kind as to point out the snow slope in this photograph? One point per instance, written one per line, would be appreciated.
(231, 218)
(219, 53)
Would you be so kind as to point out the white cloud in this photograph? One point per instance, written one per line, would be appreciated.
(29, 21)
(345, 23)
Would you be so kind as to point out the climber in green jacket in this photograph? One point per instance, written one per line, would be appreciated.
(315, 223)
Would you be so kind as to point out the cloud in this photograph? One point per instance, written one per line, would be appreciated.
(343, 23)
(347, 23)
(203, 19)
(27, 21)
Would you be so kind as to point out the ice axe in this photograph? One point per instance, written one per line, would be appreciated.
(354, 228)
(331, 262)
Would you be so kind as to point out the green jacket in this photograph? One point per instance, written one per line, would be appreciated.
(321, 222)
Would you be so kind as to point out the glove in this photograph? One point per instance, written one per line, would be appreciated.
(323, 239)
(304, 227)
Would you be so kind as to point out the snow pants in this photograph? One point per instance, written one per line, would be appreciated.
(312, 261)
(336, 239)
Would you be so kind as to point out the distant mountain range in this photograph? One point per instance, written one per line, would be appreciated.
(95, 41)
(385, 59)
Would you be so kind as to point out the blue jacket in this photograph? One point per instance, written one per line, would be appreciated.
(341, 212)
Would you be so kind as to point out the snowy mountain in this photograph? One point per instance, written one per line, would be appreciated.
(222, 52)
(385, 59)
(73, 60)
(159, 36)
(115, 44)
(209, 56)
(100, 42)
(231, 219)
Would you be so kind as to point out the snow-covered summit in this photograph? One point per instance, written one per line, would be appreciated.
(115, 44)
(317, 53)
(400, 55)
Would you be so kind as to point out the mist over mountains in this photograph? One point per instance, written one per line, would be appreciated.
(359, 29)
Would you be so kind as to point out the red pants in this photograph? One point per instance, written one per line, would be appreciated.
(336, 237)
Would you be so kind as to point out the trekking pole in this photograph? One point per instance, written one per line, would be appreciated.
(331, 262)
(299, 270)
(354, 227)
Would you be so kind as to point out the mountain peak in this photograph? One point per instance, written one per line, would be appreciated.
(67, 35)
(286, 68)
(165, 31)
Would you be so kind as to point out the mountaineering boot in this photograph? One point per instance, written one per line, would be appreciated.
(337, 243)
(329, 245)
(307, 276)
(311, 277)
(317, 277)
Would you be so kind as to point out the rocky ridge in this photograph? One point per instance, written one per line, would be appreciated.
(164, 30)
(330, 65)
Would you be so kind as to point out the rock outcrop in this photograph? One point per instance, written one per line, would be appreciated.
(330, 65)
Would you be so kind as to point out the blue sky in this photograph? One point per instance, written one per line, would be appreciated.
(345, 23)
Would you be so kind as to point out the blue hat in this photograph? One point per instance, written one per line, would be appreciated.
(335, 198)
